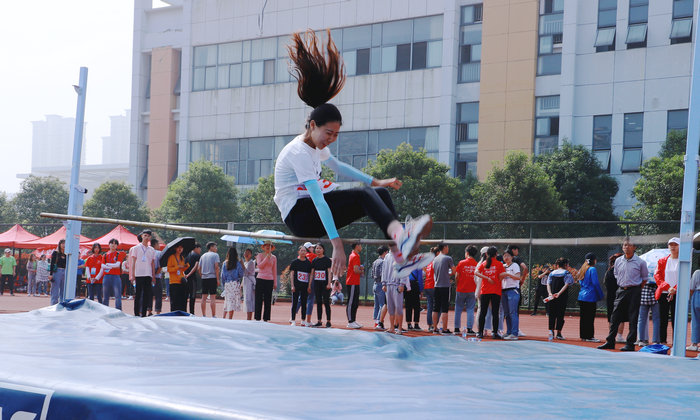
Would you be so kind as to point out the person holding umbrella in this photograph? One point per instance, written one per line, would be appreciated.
(142, 270)
(265, 282)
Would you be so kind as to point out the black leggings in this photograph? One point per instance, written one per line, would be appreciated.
(664, 307)
(587, 321)
(346, 206)
(323, 298)
(484, 301)
(412, 299)
(263, 296)
(557, 310)
(300, 289)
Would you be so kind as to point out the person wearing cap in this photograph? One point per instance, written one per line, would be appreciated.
(210, 272)
(265, 282)
(8, 268)
(631, 273)
(142, 271)
(588, 296)
(666, 277)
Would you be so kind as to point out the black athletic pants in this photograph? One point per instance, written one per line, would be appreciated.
(178, 297)
(8, 279)
(587, 320)
(142, 297)
(353, 302)
(557, 310)
(191, 292)
(664, 307)
(263, 297)
(540, 293)
(323, 298)
(300, 289)
(412, 303)
(346, 206)
(495, 301)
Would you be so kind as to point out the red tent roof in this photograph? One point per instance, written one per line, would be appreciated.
(14, 236)
(49, 241)
(126, 239)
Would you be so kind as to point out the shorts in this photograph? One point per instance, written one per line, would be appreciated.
(441, 300)
(394, 300)
(209, 286)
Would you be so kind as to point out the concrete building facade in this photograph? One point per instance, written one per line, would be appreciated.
(468, 80)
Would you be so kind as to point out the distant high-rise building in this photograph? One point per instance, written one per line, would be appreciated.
(115, 147)
(52, 142)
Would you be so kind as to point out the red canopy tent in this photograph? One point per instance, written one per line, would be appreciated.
(126, 239)
(50, 241)
(15, 236)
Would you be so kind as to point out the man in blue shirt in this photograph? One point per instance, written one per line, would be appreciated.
(631, 273)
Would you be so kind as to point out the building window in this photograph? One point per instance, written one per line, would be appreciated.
(637, 29)
(470, 44)
(632, 142)
(677, 120)
(551, 38)
(682, 25)
(602, 133)
(546, 124)
(401, 45)
(607, 21)
(467, 136)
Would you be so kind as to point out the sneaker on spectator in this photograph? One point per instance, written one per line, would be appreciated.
(380, 326)
(692, 348)
(643, 343)
(410, 327)
(437, 331)
(399, 331)
(445, 332)
(416, 262)
(510, 337)
(456, 332)
(317, 325)
(431, 328)
(521, 334)
(497, 337)
(328, 324)
(293, 323)
(592, 340)
(413, 231)
(354, 325)
(417, 328)
(560, 337)
(620, 339)
(470, 331)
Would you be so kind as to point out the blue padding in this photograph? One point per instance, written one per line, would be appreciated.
(72, 305)
(175, 313)
(655, 349)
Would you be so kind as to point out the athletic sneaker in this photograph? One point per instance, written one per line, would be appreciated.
(293, 323)
(354, 325)
(430, 328)
(379, 326)
(414, 229)
(399, 331)
(560, 337)
(497, 337)
(318, 324)
(328, 324)
(417, 328)
(456, 331)
(445, 332)
(410, 327)
(510, 337)
(418, 261)
(521, 334)
(470, 331)
(620, 339)
(591, 340)
(437, 331)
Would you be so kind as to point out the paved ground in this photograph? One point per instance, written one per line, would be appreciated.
(535, 327)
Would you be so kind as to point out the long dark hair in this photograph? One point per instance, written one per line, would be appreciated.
(320, 76)
(231, 258)
(58, 247)
(491, 253)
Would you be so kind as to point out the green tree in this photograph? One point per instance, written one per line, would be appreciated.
(40, 194)
(519, 191)
(7, 211)
(114, 200)
(427, 187)
(586, 189)
(203, 194)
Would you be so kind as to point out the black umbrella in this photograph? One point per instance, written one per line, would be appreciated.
(187, 243)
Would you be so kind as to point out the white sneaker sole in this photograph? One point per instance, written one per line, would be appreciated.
(406, 269)
(422, 227)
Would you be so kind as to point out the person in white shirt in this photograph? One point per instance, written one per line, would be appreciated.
(142, 263)
(314, 207)
(666, 276)
(510, 295)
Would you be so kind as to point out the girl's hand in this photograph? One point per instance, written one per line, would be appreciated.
(388, 183)
(328, 286)
(556, 295)
(292, 289)
(309, 289)
(338, 264)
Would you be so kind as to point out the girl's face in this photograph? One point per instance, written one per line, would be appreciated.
(247, 254)
(43, 257)
(62, 247)
(112, 246)
(507, 258)
(178, 249)
(302, 253)
(319, 250)
(325, 135)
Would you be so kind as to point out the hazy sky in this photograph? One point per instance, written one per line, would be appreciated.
(44, 44)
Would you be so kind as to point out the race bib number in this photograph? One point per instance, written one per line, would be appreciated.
(303, 276)
(320, 275)
(324, 184)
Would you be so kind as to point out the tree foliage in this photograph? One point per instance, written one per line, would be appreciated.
(114, 200)
(203, 194)
(257, 205)
(427, 187)
(7, 211)
(520, 190)
(40, 194)
(585, 188)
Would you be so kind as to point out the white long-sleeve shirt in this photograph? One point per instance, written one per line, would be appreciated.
(389, 275)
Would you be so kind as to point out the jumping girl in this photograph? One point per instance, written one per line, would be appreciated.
(313, 207)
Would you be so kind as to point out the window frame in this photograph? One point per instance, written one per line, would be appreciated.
(634, 23)
(629, 151)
